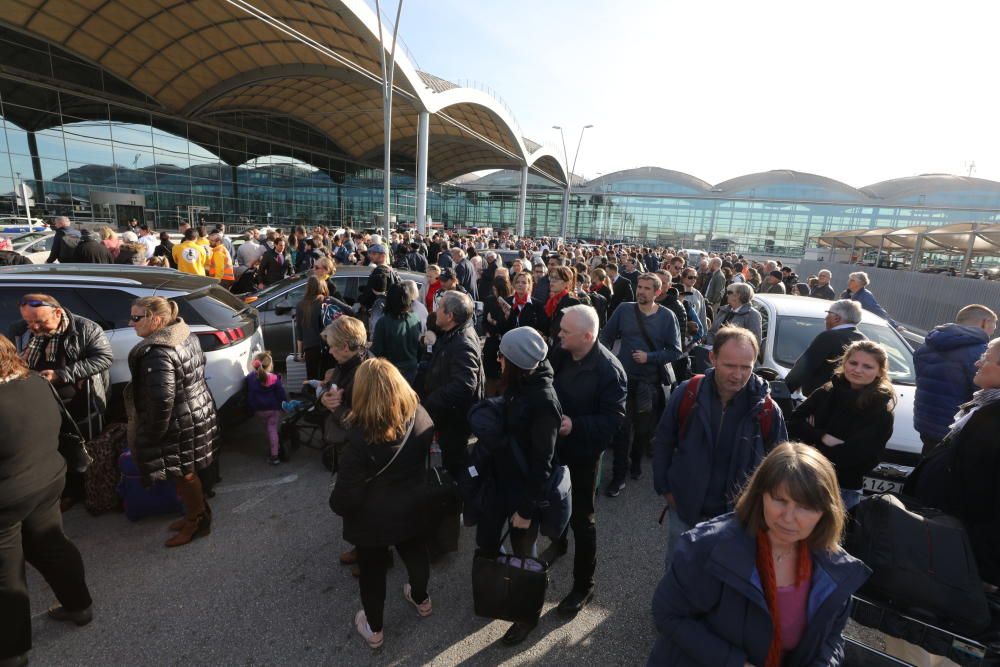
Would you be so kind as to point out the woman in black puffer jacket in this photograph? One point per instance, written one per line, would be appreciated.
(172, 427)
(849, 419)
(532, 418)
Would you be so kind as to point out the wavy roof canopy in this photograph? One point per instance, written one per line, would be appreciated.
(937, 189)
(203, 58)
(683, 183)
(788, 184)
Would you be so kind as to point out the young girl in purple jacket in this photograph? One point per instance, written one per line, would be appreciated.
(265, 394)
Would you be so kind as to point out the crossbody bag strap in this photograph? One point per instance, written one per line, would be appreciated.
(406, 437)
(66, 416)
(641, 319)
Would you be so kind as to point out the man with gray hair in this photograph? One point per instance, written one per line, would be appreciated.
(591, 386)
(62, 249)
(455, 379)
(816, 365)
(466, 272)
(716, 289)
(823, 290)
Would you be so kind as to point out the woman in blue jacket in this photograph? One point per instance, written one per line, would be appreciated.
(767, 585)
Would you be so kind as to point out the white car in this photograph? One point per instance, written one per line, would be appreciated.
(36, 246)
(228, 329)
(13, 225)
(790, 323)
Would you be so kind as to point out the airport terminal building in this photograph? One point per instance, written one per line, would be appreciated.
(204, 111)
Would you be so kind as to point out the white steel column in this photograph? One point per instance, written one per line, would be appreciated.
(423, 135)
(522, 201)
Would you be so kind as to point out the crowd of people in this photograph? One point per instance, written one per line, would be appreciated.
(575, 350)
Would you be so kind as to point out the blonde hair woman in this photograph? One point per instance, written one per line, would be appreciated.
(768, 585)
(172, 425)
(379, 489)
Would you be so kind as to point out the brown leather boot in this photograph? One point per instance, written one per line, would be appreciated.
(179, 523)
(199, 527)
(349, 557)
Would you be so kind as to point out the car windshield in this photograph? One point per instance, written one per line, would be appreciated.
(795, 333)
(278, 287)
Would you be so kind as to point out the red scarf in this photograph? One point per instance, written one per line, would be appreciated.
(596, 286)
(765, 566)
(520, 302)
(431, 291)
(553, 302)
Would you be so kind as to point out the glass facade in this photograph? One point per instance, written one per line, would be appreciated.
(92, 147)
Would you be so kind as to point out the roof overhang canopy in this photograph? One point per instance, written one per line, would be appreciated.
(314, 62)
(953, 239)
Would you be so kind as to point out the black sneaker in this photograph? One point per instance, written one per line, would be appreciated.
(275, 460)
(636, 475)
(517, 633)
(614, 489)
(83, 617)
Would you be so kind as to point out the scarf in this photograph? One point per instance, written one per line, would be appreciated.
(519, 301)
(553, 302)
(980, 399)
(765, 567)
(46, 345)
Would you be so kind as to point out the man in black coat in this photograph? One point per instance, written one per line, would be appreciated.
(275, 264)
(823, 290)
(91, 250)
(466, 272)
(816, 365)
(621, 289)
(455, 378)
(60, 250)
(591, 386)
(414, 260)
(382, 276)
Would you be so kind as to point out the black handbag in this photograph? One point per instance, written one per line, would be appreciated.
(556, 507)
(333, 479)
(444, 509)
(72, 444)
(508, 588)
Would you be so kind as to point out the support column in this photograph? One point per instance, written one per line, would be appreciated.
(878, 257)
(917, 249)
(234, 178)
(522, 201)
(968, 251)
(36, 170)
(423, 139)
(565, 213)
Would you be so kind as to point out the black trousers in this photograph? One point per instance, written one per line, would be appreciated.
(314, 359)
(374, 563)
(454, 441)
(584, 478)
(31, 531)
(636, 433)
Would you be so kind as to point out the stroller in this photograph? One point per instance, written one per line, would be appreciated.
(302, 426)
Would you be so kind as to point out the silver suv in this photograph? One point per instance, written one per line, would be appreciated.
(228, 329)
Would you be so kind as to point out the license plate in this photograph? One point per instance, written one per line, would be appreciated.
(875, 485)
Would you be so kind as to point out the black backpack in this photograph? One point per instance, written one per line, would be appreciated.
(922, 562)
(67, 249)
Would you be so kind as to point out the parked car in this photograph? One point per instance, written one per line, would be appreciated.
(228, 329)
(790, 323)
(36, 246)
(276, 303)
(13, 225)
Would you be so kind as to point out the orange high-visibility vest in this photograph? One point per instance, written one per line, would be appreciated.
(222, 264)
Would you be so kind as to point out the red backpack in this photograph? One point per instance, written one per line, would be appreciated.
(765, 417)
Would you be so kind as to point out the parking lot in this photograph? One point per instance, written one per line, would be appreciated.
(265, 587)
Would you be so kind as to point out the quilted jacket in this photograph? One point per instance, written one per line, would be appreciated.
(172, 428)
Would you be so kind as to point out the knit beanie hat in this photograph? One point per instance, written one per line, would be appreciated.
(524, 347)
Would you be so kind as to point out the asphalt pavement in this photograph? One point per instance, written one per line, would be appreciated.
(265, 588)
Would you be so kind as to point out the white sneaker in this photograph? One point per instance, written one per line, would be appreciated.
(424, 608)
(374, 639)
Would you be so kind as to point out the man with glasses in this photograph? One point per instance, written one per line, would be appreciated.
(74, 355)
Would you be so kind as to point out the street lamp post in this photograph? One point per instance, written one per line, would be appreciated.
(388, 74)
(569, 177)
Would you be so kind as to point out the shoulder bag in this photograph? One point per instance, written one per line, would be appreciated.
(557, 504)
(664, 371)
(402, 444)
(72, 444)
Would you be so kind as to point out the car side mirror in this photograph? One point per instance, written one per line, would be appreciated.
(283, 310)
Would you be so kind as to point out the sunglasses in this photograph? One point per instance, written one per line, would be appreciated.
(35, 303)
(137, 318)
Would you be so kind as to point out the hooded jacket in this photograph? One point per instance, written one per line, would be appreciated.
(681, 465)
(172, 424)
(945, 366)
(710, 608)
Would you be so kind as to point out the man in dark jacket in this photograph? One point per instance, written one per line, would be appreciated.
(591, 385)
(414, 260)
(91, 250)
(455, 379)
(816, 365)
(466, 272)
(381, 274)
(621, 289)
(275, 264)
(74, 355)
(61, 224)
(823, 290)
(945, 366)
(699, 464)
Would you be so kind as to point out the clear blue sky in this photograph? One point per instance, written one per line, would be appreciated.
(859, 91)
